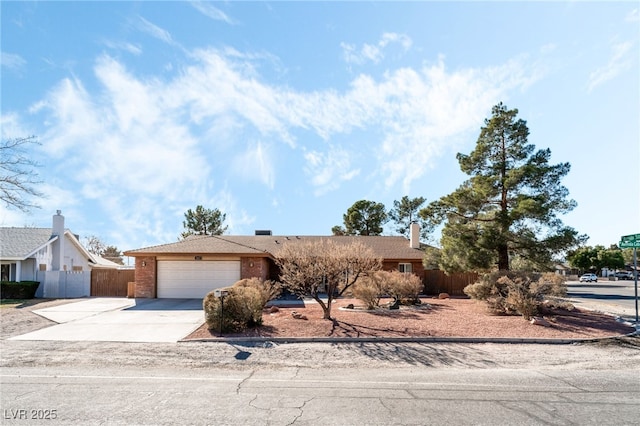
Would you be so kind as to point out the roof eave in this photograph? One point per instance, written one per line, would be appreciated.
(49, 241)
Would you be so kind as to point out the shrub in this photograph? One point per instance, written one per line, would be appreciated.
(404, 288)
(369, 289)
(268, 290)
(511, 292)
(242, 306)
(557, 284)
(18, 290)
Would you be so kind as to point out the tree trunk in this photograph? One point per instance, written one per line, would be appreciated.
(326, 308)
(503, 257)
(327, 311)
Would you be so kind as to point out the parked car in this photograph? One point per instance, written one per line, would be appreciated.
(624, 275)
(589, 278)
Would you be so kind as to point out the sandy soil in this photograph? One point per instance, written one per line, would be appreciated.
(433, 318)
(16, 319)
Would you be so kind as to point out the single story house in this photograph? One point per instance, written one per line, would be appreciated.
(193, 267)
(53, 256)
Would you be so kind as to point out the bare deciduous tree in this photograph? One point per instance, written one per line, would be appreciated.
(309, 268)
(17, 175)
(94, 245)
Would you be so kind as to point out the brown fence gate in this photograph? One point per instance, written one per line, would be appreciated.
(111, 282)
(436, 281)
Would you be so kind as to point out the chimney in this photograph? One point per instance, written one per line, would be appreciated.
(414, 240)
(57, 261)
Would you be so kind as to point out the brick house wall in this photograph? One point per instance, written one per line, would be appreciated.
(146, 268)
(254, 267)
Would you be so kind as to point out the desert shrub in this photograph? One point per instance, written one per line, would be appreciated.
(557, 284)
(241, 308)
(245, 305)
(511, 292)
(369, 289)
(268, 290)
(522, 296)
(403, 287)
(18, 290)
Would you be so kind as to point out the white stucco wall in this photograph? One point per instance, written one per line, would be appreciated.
(73, 256)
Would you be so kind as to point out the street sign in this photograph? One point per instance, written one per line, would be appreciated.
(630, 238)
(630, 241)
(631, 244)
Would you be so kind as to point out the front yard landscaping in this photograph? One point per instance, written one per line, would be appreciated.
(456, 317)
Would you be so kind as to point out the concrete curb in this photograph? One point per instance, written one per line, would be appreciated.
(510, 340)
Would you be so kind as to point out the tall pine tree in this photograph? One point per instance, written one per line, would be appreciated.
(509, 206)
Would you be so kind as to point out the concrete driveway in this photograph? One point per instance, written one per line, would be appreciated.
(120, 320)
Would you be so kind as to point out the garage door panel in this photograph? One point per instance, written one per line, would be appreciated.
(194, 279)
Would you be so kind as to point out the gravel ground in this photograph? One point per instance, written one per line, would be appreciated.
(608, 354)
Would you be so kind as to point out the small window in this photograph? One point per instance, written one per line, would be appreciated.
(77, 269)
(43, 266)
(405, 268)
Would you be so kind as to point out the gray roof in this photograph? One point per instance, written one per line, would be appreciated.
(386, 247)
(18, 243)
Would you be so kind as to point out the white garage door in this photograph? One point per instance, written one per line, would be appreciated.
(194, 279)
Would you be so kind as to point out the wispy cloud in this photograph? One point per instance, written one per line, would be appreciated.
(12, 61)
(256, 164)
(11, 126)
(619, 61)
(147, 148)
(212, 12)
(633, 16)
(373, 52)
(154, 30)
(328, 170)
(134, 49)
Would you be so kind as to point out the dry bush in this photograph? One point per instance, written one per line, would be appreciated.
(512, 292)
(522, 297)
(405, 288)
(240, 308)
(268, 290)
(557, 284)
(369, 289)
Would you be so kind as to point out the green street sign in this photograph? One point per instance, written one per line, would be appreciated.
(630, 244)
(630, 238)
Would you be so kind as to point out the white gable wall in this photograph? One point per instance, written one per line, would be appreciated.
(73, 256)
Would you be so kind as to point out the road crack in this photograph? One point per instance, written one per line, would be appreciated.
(244, 381)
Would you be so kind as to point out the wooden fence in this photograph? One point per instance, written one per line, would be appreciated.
(111, 282)
(437, 281)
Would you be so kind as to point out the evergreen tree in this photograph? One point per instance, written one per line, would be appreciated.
(405, 212)
(363, 218)
(508, 206)
(204, 222)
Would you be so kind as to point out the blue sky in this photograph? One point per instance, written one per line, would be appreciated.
(283, 114)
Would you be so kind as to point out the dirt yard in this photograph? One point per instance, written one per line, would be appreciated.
(17, 318)
(433, 318)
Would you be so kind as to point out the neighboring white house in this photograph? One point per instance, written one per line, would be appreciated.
(52, 256)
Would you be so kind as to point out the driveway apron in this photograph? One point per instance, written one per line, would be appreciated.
(120, 320)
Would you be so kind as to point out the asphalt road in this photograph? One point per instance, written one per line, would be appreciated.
(614, 296)
(327, 396)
